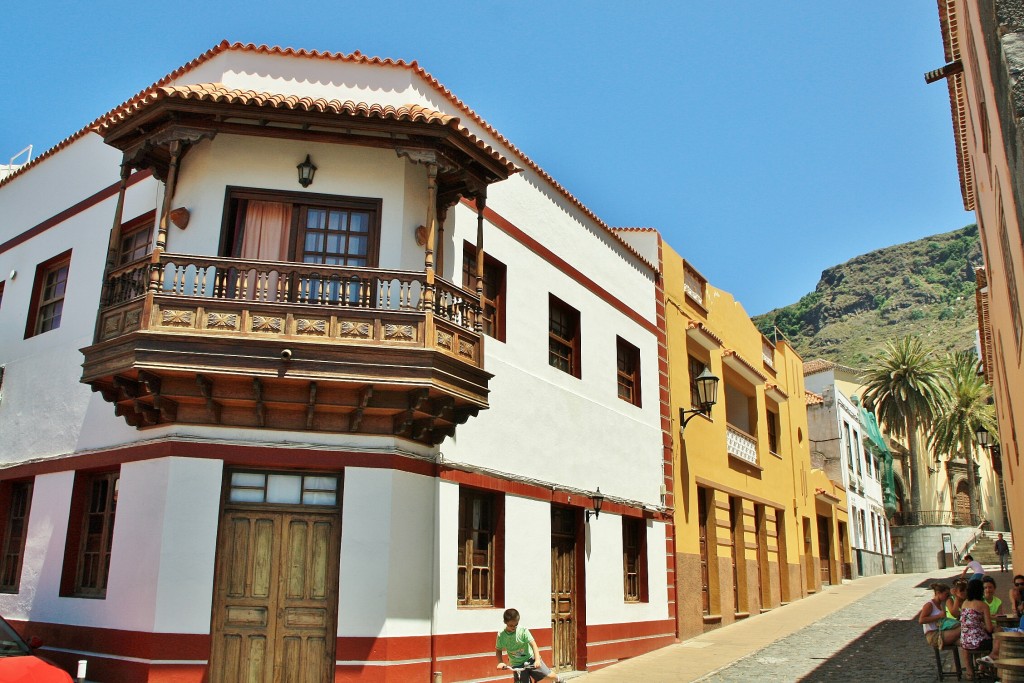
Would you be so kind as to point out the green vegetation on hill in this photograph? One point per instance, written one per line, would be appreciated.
(923, 288)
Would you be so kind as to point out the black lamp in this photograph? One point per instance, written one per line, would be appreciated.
(707, 396)
(306, 172)
(984, 438)
(598, 499)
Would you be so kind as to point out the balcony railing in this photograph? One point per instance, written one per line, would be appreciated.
(229, 279)
(932, 518)
(740, 444)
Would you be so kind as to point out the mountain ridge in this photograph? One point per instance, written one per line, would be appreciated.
(925, 287)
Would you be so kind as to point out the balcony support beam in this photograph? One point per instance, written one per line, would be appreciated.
(311, 405)
(481, 204)
(114, 241)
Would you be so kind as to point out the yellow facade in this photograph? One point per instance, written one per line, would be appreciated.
(755, 525)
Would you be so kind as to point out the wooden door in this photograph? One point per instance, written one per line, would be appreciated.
(563, 589)
(275, 596)
(962, 505)
(824, 550)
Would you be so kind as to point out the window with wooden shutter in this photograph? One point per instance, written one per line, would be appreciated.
(479, 548)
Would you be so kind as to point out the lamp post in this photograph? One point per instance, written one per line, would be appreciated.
(707, 396)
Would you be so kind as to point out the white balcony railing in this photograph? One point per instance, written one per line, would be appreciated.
(741, 445)
(768, 353)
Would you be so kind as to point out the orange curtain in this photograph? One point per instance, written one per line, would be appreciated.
(265, 236)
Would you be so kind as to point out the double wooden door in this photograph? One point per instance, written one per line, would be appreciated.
(563, 589)
(276, 596)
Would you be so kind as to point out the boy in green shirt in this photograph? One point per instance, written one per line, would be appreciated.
(522, 651)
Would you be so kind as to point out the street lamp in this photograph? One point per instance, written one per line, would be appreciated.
(707, 396)
(984, 438)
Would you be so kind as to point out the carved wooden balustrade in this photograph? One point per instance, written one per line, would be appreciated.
(291, 345)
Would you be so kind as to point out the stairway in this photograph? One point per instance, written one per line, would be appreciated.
(983, 550)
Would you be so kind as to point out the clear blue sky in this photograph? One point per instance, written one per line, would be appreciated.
(768, 141)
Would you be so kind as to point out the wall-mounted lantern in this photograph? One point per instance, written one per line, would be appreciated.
(707, 396)
(598, 500)
(306, 172)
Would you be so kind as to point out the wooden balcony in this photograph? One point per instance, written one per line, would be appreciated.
(291, 346)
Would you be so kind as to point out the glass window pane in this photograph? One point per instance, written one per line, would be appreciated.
(337, 221)
(321, 484)
(248, 479)
(357, 245)
(334, 244)
(359, 222)
(284, 488)
(246, 496)
(315, 218)
(314, 242)
(319, 498)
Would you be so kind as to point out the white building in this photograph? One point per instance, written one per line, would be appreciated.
(839, 444)
(268, 424)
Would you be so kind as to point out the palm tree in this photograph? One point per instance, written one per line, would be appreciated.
(960, 414)
(902, 388)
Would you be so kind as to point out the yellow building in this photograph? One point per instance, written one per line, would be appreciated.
(755, 525)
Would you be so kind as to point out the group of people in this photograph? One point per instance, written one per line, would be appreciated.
(964, 614)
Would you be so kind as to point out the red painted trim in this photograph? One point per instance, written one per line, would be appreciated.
(233, 454)
(503, 224)
(461, 656)
(88, 202)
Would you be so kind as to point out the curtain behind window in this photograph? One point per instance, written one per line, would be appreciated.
(265, 238)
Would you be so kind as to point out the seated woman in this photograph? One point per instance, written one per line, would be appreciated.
(976, 625)
(1017, 596)
(933, 616)
(956, 600)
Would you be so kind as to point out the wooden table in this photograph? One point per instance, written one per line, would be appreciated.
(1011, 645)
(1011, 670)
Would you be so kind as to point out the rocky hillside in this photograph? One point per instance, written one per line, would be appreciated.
(924, 287)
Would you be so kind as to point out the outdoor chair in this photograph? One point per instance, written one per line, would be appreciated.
(955, 670)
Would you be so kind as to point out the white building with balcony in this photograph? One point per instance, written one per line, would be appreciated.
(307, 368)
(839, 445)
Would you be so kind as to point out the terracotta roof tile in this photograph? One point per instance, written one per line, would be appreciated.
(701, 327)
(217, 92)
(812, 367)
(813, 399)
(356, 57)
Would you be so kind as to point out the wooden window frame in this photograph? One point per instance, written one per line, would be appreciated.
(465, 567)
(495, 273)
(627, 365)
(772, 420)
(570, 343)
(16, 502)
(234, 218)
(634, 560)
(35, 309)
(134, 230)
(83, 506)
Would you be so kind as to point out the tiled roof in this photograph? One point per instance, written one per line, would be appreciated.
(356, 57)
(701, 327)
(813, 399)
(217, 92)
(812, 367)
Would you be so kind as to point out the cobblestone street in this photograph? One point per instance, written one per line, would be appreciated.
(874, 639)
(864, 630)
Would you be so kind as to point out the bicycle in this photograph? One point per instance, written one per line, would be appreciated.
(522, 674)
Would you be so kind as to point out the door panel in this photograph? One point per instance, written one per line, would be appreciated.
(276, 597)
(563, 589)
(824, 550)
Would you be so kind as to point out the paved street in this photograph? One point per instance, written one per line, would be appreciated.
(863, 630)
